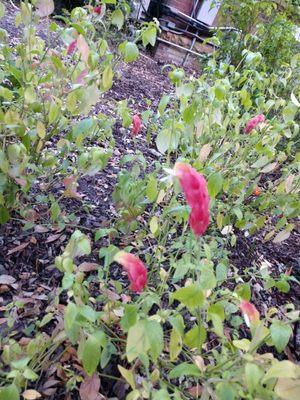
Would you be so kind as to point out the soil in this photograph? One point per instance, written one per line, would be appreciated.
(27, 256)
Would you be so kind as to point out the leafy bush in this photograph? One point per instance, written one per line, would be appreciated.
(187, 326)
(43, 93)
(264, 26)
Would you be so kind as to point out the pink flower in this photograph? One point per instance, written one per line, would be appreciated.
(72, 47)
(135, 268)
(97, 10)
(253, 122)
(195, 189)
(251, 315)
(136, 125)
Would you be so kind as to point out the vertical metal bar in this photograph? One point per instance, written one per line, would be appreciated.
(196, 2)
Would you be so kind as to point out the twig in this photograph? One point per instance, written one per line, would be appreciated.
(13, 5)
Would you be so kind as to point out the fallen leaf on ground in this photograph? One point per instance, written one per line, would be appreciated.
(31, 394)
(52, 238)
(40, 229)
(89, 388)
(7, 280)
(17, 248)
(88, 267)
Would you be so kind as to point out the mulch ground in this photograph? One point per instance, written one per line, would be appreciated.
(27, 256)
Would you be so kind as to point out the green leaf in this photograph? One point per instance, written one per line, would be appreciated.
(191, 296)
(21, 363)
(107, 78)
(79, 245)
(282, 369)
(2, 10)
(253, 375)
(4, 215)
(9, 393)
(151, 189)
(91, 354)
(129, 318)
(184, 369)
(220, 92)
(226, 391)
(242, 344)
(167, 140)
(131, 52)
(117, 18)
(161, 394)
(155, 337)
(175, 344)
(207, 278)
(127, 375)
(176, 75)
(71, 325)
(163, 104)
(144, 336)
(215, 184)
(283, 286)
(46, 319)
(243, 290)
(149, 36)
(82, 127)
(54, 112)
(30, 374)
(154, 225)
(221, 272)
(280, 334)
(289, 112)
(195, 337)
(137, 341)
(4, 92)
(217, 324)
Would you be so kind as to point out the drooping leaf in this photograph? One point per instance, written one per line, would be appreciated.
(215, 184)
(91, 353)
(280, 334)
(137, 341)
(117, 18)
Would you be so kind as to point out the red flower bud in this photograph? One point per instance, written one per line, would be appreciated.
(71, 47)
(194, 187)
(251, 315)
(97, 10)
(253, 122)
(135, 268)
(136, 125)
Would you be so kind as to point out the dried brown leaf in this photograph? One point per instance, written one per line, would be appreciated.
(7, 280)
(88, 267)
(89, 388)
(40, 229)
(52, 238)
(17, 248)
(31, 394)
